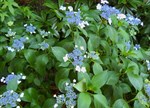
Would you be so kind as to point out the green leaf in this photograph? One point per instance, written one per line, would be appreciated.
(100, 79)
(2, 38)
(30, 95)
(80, 41)
(99, 100)
(30, 56)
(59, 53)
(97, 68)
(9, 56)
(81, 86)
(50, 4)
(84, 100)
(60, 2)
(133, 67)
(12, 84)
(125, 88)
(111, 33)
(62, 83)
(61, 74)
(120, 103)
(93, 39)
(49, 103)
(136, 80)
(113, 78)
(40, 63)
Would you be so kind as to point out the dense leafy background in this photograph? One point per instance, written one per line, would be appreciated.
(116, 76)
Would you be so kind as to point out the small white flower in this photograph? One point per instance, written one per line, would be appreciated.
(22, 94)
(10, 49)
(62, 8)
(18, 82)
(3, 79)
(142, 23)
(147, 61)
(66, 85)
(76, 46)
(104, 2)
(65, 58)
(83, 69)
(121, 16)
(78, 69)
(18, 107)
(72, 106)
(74, 80)
(99, 6)
(83, 24)
(25, 25)
(109, 21)
(18, 100)
(54, 95)
(81, 47)
(56, 105)
(85, 56)
(23, 77)
(11, 91)
(70, 8)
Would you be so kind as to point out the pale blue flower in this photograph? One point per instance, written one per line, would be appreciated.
(147, 89)
(73, 17)
(30, 28)
(137, 47)
(132, 20)
(9, 98)
(44, 45)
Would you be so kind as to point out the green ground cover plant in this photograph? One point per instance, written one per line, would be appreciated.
(81, 54)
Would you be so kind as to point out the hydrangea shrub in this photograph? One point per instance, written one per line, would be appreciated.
(80, 55)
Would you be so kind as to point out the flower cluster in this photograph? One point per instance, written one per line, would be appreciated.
(93, 55)
(18, 44)
(69, 98)
(44, 45)
(132, 20)
(147, 87)
(43, 33)
(12, 76)
(128, 46)
(136, 47)
(107, 11)
(77, 58)
(10, 33)
(74, 17)
(30, 28)
(10, 98)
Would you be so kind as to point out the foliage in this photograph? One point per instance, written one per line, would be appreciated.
(73, 55)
